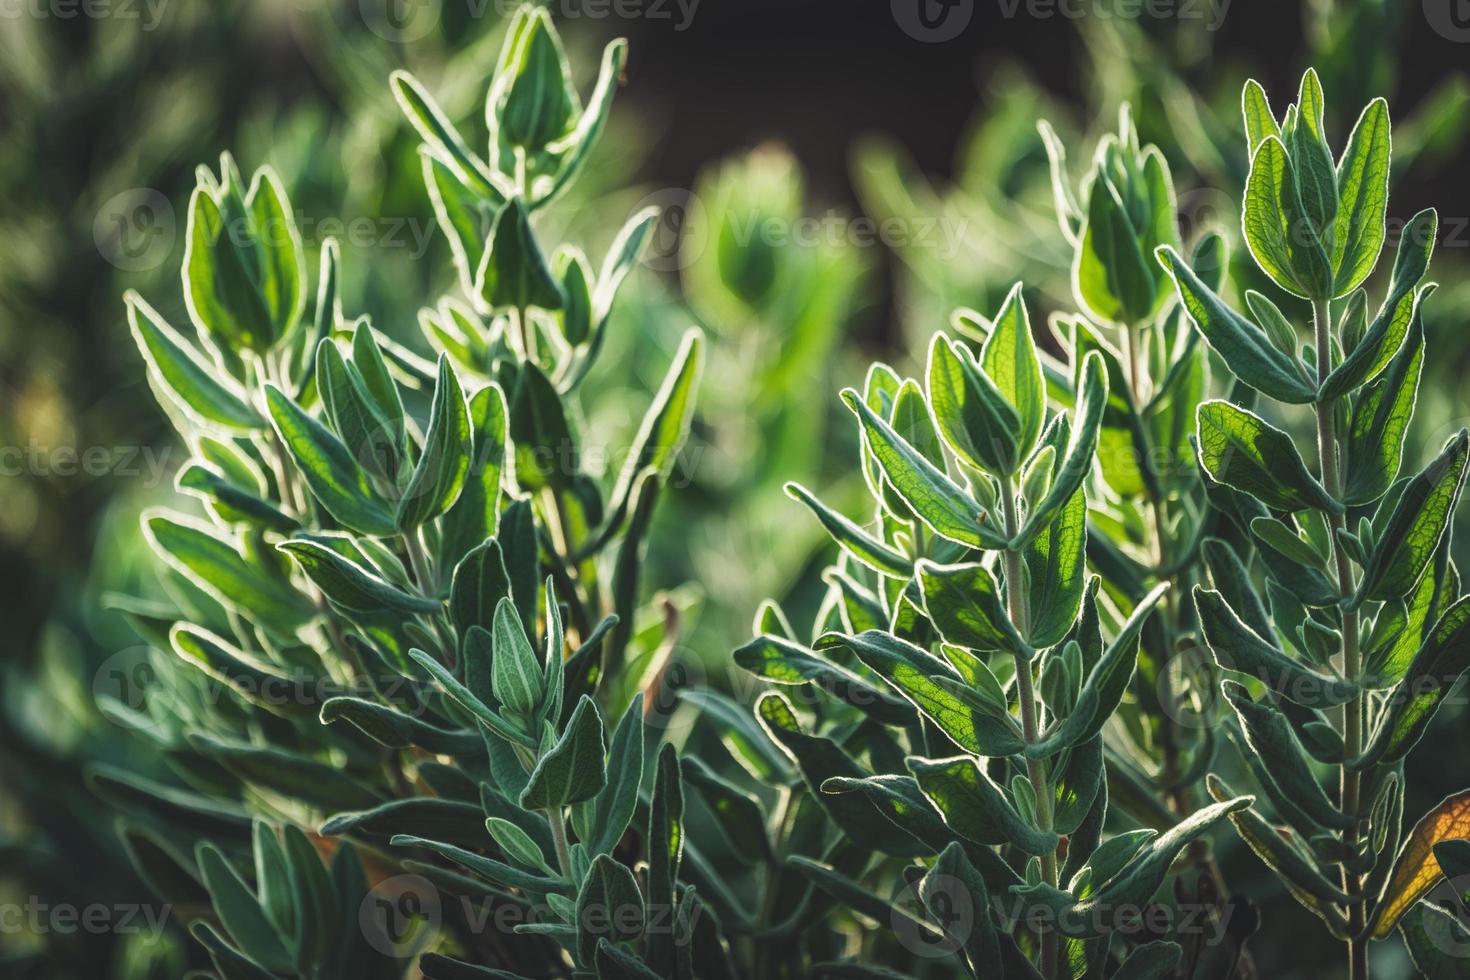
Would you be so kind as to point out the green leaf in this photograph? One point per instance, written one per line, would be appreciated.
(665, 425)
(469, 701)
(221, 272)
(1151, 961)
(782, 661)
(1116, 897)
(362, 427)
(1056, 566)
(741, 818)
(956, 896)
(972, 414)
(1410, 538)
(231, 964)
(218, 568)
(205, 392)
(1009, 360)
(531, 102)
(350, 586)
(665, 845)
(539, 434)
(517, 674)
(1269, 735)
(609, 906)
(480, 582)
(576, 146)
(928, 682)
(944, 508)
(1436, 940)
(1362, 188)
(1110, 272)
(1244, 451)
(514, 273)
(1239, 648)
(1279, 231)
(612, 808)
(573, 769)
(1245, 347)
(975, 807)
(439, 134)
(820, 759)
(444, 463)
(1081, 451)
(315, 901)
(1297, 871)
(240, 912)
(394, 729)
(1105, 685)
(1374, 448)
(867, 549)
(1259, 120)
(968, 608)
(497, 871)
(1436, 668)
(1378, 346)
(330, 470)
(476, 514)
(230, 502)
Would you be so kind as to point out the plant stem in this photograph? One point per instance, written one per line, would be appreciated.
(556, 817)
(1035, 768)
(418, 561)
(1350, 782)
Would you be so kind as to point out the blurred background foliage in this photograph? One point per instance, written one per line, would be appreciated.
(832, 190)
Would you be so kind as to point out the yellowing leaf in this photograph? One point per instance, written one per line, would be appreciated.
(1415, 872)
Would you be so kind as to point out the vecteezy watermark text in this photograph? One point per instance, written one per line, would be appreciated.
(937, 21)
(147, 13)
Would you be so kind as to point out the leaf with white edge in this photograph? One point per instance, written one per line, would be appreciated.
(219, 568)
(936, 500)
(783, 661)
(1433, 673)
(1239, 648)
(1410, 538)
(202, 389)
(1270, 737)
(1244, 451)
(975, 807)
(1009, 360)
(514, 273)
(867, 549)
(330, 471)
(1080, 454)
(573, 770)
(1388, 329)
(1374, 448)
(1246, 349)
(1362, 189)
(920, 677)
(1415, 870)
(440, 473)
(350, 586)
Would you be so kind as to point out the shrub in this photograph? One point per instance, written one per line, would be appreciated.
(405, 655)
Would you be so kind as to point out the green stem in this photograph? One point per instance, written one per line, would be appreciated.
(1025, 694)
(556, 817)
(1349, 781)
(419, 562)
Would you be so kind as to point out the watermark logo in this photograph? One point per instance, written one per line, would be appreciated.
(933, 21)
(135, 229)
(1449, 18)
(401, 915)
(400, 21)
(1449, 933)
